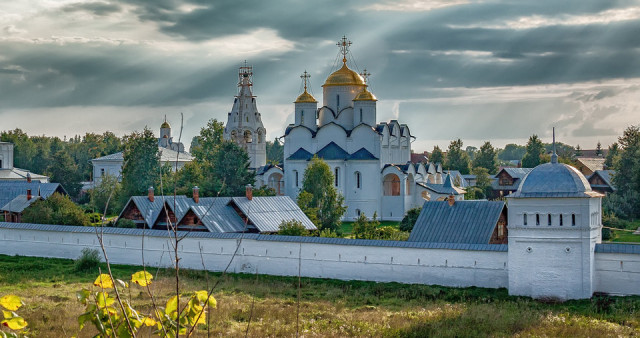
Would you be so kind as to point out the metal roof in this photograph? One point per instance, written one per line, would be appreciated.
(625, 248)
(268, 212)
(217, 216)
(593, 163)
(166, 155)
(149, 210)
(554, 180)
(110, 157)
(17, 174)
(301, 154)
(470, 222)
(332, 151)
(11, 189)
(362, 154)
(257, 237)
(19, 203)
(516, 173)
(606, 176)
(446, 188)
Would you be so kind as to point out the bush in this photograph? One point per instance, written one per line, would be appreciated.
(611, 220)
(606, 234)
(125, 223)
(365, 229)
(89, 260)
(57, 209)
(292, 228)
(328, 233)
(95, 217)
(410, 219)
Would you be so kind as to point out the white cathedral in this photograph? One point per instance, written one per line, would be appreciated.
(370, 161)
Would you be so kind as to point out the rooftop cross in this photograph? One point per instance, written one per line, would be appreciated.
(554, 156)
(344, 44)
(365, 75)
(305, 76)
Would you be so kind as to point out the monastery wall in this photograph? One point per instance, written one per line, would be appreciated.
(617, 273)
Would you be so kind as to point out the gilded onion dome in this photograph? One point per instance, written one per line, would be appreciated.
(344, 77)
(305, 98)
(365, 95)
(165, 124)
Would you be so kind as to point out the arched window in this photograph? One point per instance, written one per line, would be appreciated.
(336, 173)
(247, 118)
(301, 116)
(360, 114)
(358, 212)
(525, 219)
(358, 176)
(561, 220)
(391, 185)
(248, 138)
(537, 219)
(549, 219)
(295, 175)
(573, 219)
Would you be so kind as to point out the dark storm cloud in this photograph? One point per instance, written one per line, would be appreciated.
(95, 8)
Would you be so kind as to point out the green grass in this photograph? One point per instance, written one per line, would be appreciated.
(327, 307)
(347, 227)
(624, 236)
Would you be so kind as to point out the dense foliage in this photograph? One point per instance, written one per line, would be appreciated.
(534, 152)
(292, 228)
(458, 159)
(487, 157)
(57, 209)
(319, 197)
(275, 152)
(410, 219)
(141, 168)
(625, 202)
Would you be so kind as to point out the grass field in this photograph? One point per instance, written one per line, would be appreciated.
(328, 307)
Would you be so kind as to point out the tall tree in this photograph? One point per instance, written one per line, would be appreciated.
(204, 146)
(599, 149)
(458, 159)
(578, 151)
(324, 198)
(109, 190)
(275, 152)
(472, 152)
(487, 158)
(437, 156)
(230, 171)
(141, 168)
(64, 170)
(627, 177)
(612, 156)
(483, 180)
(534, 151)
(512, 152)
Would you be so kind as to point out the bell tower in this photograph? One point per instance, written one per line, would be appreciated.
(244, 122)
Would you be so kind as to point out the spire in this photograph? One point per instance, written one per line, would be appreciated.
(245, 75)
(554, 156)
(365, 75)
(344, 44)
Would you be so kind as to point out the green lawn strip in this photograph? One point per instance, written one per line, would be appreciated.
(624, 236)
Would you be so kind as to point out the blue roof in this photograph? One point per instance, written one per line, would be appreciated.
(258, 237)
(554, 180)
(606, 176)
(469, 222)
(362, 154)
(9, 190)
(266, 213)
(19, 203)
(625, 248)
(300, 154)
(332, 151)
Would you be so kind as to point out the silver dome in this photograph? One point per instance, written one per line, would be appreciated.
(554, 180)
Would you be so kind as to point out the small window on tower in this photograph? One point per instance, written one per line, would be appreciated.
(247, 118)
(338, 101)
(549, 219)
(561, 220)
(101, 172)
(525, 219)
(360, 114)
(302, 116)
(358, 179)
(336, 172)
(573, 219)
(296, 177)
(537, 219)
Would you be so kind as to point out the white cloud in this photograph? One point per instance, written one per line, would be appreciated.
(414, 5)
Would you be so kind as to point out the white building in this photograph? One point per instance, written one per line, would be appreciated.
(171, 153)
(244, 123)
(370, 161)
(10, 173)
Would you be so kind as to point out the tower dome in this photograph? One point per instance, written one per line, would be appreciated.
(306, 98)
(165, 124)
(344, 77)
(365, 95)
(554, 180)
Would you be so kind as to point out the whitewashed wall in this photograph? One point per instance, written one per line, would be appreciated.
(347, 262)
(617, 273)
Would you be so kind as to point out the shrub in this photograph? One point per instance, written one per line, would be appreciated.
(292, 228)
(125, 223)
(88, 260)
(57, 209)
(328, 233)
(95, 217)
(410, 219)
(606, 234)
(365, 229)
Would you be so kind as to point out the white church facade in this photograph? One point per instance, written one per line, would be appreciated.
(370, 161)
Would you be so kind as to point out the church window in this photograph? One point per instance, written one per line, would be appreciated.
(296, 177)
(336, 172)
(338, 101)
(248, 138)
(360, 114)
(358, 179)
(561, 220)
(358, 212)
(247, 118)
(573, 219)
(0, 163)
(500, 230)
(549, 219)
(391, 185)
(525, 219)
(101, 172)
(302, 116)
(537, 219)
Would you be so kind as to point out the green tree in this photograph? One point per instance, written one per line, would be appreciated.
(188, 177)
(458, 159)
(472, 152)
(141, 168)
(64, 170)
(205, 145)
(483, 181)
(410, 219)
(578, 151)
(229, 171)
(534, 152)
(512, 152)
(329, 204)
(363, 228)
(627, 176)
(487, 158)
(612, 156)
(57, 209)
(23, 148)
(437, 156)
(99, 195)
(275, 152)
(292, 228)
(599, 149)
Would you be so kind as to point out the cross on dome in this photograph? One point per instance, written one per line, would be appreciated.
(365, 75)
(344, 44)
(305, 77)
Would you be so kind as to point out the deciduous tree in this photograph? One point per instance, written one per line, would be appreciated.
(534, 151)
(322, 195)
(487, 158)
(458, 159)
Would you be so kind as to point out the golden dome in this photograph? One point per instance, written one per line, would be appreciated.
(365, 95)
(165, 124)
(305, 98)
(344, 77)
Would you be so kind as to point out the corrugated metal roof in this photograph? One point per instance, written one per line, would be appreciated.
(257, 237)
(17, 174)
(166, 155)
(268, 212)
(149, 210)
(332, 151)
(625, 248)
(217, 216)
(10, 190)
(465, 222)
(19, 203)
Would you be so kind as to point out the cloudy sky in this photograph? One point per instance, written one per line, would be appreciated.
(476, 70)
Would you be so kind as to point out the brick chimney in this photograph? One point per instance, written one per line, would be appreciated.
(452, 200)
(196, 194)
(28, 194)
(150, 194)
(249, 192)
